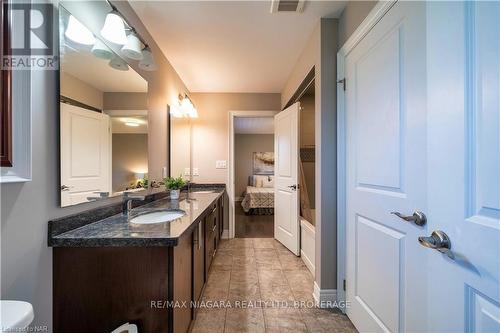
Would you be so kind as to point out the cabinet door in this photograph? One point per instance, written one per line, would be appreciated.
(210, 230)
(198, 260)
(183, 283)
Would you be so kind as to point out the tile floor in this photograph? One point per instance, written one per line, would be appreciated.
(262, 273)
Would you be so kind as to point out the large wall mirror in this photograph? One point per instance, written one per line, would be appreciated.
(103, 118)
(180, 146)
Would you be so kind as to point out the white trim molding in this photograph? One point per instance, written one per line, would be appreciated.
(375, 15)
(325, 298)
(230, 169)
(225, 234)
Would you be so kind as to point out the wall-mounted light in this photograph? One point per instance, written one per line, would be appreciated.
(148, 62)
(114, 28)
(119, 64)
(183, 108)
(133, 48)
(79, 33)
(100, 50)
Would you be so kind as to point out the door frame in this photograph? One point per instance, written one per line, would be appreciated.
(378, 11)
(231, 169)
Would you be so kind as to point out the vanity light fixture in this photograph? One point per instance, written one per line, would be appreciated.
(148, 62)
(184, 108)
(188, 107)
(100, 50)
(119, 64)
(132, 124)
(133, 48)
(114, 28)
(79, 33)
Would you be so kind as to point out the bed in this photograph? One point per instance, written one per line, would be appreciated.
(258, 198)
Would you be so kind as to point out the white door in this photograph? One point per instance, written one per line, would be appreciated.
(464, 165)
(85, 154)
(286, 170)
(386, 172)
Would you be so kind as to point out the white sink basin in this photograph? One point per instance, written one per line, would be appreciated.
(157, 216)
(15, 316)
(206, 191)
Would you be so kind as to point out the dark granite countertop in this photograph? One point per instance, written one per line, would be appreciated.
(115, 230)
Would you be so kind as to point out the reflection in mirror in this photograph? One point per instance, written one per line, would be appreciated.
(103, 118)
(179, 147)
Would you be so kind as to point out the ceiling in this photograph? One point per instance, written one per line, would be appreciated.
(232, 46)
(118, 125)
(254, 125)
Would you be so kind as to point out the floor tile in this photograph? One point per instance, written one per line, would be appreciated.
(209, 321)
(244, 320)
(283, 320)
(244, 272)
(263, 243)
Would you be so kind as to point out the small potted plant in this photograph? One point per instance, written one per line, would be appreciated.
(174, 185)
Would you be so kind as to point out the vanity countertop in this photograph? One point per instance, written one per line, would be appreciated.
(117, 231)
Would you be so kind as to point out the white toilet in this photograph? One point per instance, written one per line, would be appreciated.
(126, 328)
(15, 315)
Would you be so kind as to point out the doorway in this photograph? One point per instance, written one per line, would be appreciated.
(251, 174)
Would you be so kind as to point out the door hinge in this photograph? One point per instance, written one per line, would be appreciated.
(343, 81)
(345, 285)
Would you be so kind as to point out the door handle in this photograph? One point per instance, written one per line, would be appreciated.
(293, 187)
(418, 217)
(439, 241)
(65, 187)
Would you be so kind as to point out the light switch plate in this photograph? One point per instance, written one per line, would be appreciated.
(196, 172)
(186, 171)
(220, 164)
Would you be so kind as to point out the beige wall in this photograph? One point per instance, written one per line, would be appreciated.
(130, 156)
(125, 101)
(81, 91)
(244, 147)
(211, 129)
(352, 16)
(308, 59)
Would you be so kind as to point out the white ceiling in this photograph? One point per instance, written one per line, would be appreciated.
(118, 125)
(254, 125)
(232, 46)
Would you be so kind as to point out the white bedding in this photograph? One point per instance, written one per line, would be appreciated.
(258, 197)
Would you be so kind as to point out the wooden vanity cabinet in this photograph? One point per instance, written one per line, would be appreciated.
(182, 284)
(210, 238)
(198, 260)
(96, 289)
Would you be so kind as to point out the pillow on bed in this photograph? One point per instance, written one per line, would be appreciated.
(264, 181)
(268, 182)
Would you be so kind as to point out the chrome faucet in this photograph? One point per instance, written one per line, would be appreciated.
(127, 201)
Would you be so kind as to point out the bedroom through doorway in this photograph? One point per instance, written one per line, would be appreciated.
(253, 152)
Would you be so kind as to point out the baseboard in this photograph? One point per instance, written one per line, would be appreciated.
(225, 234)
(307, 262)
(325, 298)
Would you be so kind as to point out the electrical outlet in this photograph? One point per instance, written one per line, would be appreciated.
(196, 172)
(220, 164)
(186, 172)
